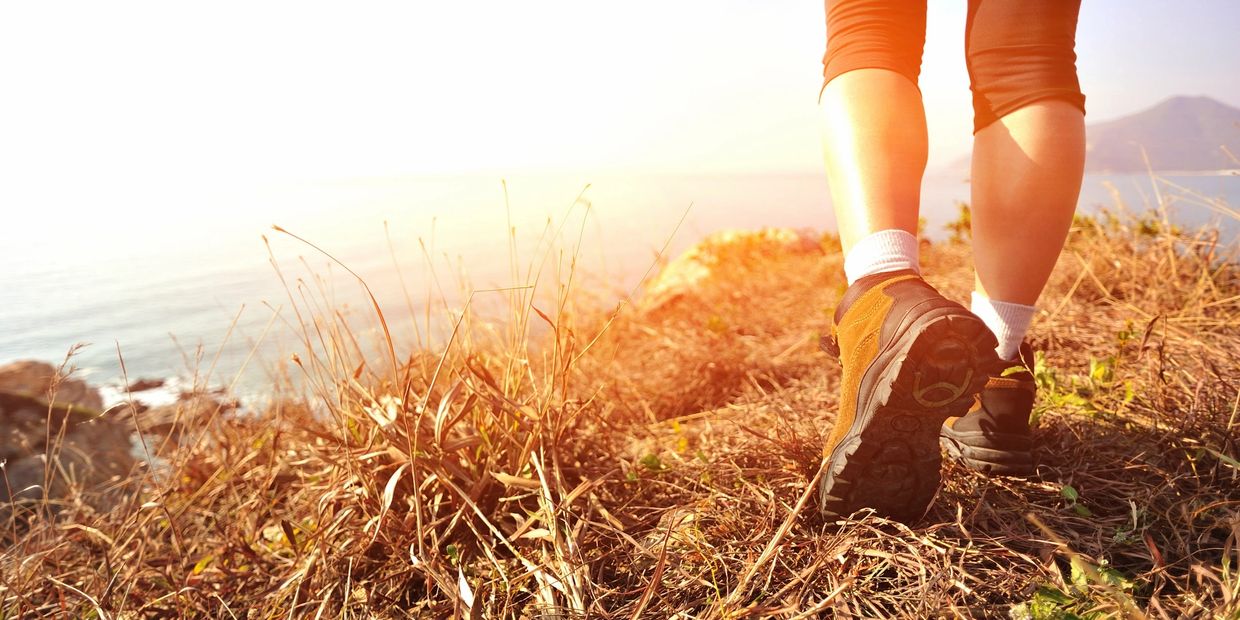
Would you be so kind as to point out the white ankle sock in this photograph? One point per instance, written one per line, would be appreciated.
(1008, 321)
(885, 250)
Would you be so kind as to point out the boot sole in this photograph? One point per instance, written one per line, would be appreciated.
(890, 459)
(989, 459)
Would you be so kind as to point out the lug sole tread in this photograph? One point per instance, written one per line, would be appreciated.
(893, 463)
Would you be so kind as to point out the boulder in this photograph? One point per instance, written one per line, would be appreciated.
(145, 385)
(87, 450)
(84, 446)
(37, 378)
(191, 409)
(23, 426)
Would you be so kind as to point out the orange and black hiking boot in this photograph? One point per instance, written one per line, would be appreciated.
(994, 436)
(911, 359)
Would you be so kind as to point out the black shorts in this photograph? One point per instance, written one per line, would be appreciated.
(1017, 51)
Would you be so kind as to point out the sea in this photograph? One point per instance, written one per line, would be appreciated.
(218, 301)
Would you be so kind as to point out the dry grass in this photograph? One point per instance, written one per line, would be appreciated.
(654, 461)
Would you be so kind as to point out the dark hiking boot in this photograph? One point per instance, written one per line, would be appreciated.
(911, 359)
(994, 436)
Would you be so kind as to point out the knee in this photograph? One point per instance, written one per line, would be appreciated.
(1003, 81)
(1019, 52)
(871, 34)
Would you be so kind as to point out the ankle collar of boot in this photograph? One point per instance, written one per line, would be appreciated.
(859, 288)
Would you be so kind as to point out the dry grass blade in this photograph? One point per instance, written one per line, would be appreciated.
(387, 333)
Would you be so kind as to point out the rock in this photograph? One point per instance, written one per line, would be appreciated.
(143, 384)
(189, 410)
(199, 392)
(719, 256)
(87, 447)
(23, 423)
(23, 480)
(36, 378)
(93, 453)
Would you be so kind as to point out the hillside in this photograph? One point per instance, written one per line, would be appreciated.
(653, 461)
(1181, 133)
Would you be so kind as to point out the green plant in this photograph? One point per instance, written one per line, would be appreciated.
(1093, 392)
(1073, 497)
(961, 228)
(1093, 591)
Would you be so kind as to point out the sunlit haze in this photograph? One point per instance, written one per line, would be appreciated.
(124, 114)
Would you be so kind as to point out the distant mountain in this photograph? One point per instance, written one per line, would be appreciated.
(1180, 134)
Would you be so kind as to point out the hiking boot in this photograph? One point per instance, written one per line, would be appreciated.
(994, 436)
(911, 359)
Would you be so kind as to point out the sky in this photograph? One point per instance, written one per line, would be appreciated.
(109, 109)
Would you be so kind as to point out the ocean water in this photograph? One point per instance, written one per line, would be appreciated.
(200, 299)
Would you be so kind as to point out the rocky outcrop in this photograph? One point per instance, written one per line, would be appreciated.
(144, 384)
(723, 255)
(191, 410)
(39, 379)
(53, 436)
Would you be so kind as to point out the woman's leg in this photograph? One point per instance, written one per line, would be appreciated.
(910, 358)
(874, 130)
(874, 144)
(1027, 169)
(1028, 153)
